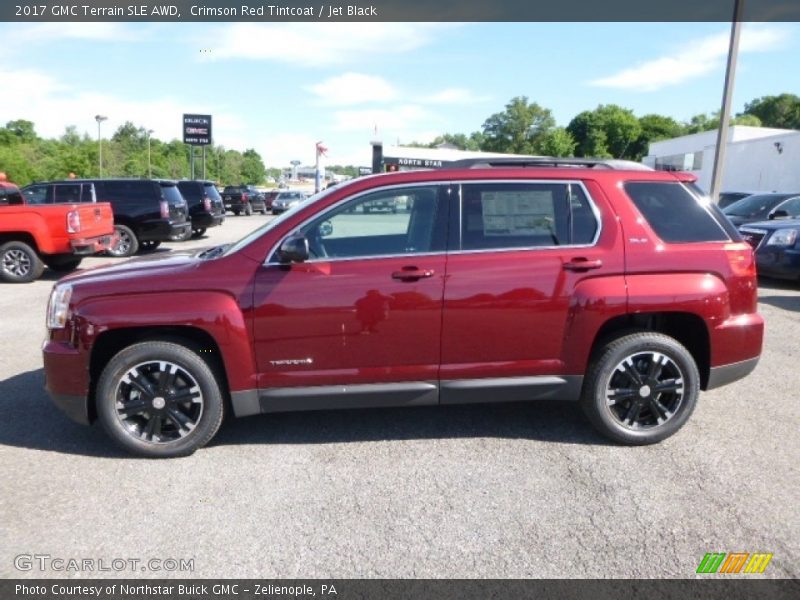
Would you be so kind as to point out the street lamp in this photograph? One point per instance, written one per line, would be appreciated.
(100, 119)
(149, 169)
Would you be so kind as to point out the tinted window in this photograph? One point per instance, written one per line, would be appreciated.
(753, 206)
(349, 231)
(14, 197)
(211, 192)
(67, 193)
(172, 195)
(127, 192)
(191, 190)
(36, 194)
(791, 206)
(525, 215)
(675, 214)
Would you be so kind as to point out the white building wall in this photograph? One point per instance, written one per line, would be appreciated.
(752, 160)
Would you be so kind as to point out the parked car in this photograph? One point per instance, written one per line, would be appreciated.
(243, 199)
(762, 207)
(777, 247)
(146, 211)
(618, 288)
(269, 198)
(59, 236)
(728, 198)
(286, 200)
(204, 203)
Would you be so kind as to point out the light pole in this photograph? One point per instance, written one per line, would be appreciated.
(149, 168)
(100, 119)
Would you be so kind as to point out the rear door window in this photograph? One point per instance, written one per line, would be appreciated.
(172, 195)
(67, 193)
(674, 214)
(497, 216)
(36, 194)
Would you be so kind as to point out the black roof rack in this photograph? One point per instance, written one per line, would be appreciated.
(548, 161)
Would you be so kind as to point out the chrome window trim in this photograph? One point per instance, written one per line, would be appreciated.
(442, 183)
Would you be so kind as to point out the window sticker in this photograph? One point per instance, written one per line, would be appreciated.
(514, 213)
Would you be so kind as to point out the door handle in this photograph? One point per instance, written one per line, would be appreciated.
(412, 274)
(582, 264)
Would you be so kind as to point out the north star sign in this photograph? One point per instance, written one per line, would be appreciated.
(197, 130)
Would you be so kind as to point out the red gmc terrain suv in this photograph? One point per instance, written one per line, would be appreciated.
(594, 281)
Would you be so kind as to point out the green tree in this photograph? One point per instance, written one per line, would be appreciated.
(22, 130)
(619, 127)
(558, 142)
(781, 111)
(653, 128)
(253, 170)
(519, 129)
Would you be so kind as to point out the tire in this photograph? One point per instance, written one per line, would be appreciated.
(620, 397)
(63, 263)
(19, 263)
(135, 409)
(196, 233)
(149, 246)
(127, 244)
(236, 213)
(248, 209)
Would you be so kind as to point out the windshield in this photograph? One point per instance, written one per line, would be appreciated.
(752, 205)
(269, 226)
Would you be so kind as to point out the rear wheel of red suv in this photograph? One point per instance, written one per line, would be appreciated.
(641, 388)
(159, 399)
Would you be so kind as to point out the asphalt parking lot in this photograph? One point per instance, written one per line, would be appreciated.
(511, 491)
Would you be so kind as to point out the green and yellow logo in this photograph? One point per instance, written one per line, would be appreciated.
(735, 562)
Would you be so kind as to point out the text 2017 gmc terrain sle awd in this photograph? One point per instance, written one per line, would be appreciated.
(595, 281)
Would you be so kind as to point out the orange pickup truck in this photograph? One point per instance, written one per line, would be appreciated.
(56, 235)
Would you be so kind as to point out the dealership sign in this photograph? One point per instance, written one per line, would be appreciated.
(197, 130)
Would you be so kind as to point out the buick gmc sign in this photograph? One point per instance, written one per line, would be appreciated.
(197, 130)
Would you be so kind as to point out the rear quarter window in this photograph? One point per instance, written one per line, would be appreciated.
(674, 214)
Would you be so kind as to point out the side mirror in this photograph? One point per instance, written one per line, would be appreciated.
(325, 228)
(779, 214)
(293, 249)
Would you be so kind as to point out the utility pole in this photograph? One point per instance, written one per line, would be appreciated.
(100, 119)
(724, 114)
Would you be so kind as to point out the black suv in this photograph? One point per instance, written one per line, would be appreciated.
(205, 205)
(146, 211)
(243, 199)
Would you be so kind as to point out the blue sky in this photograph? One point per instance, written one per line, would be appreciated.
(280, 87)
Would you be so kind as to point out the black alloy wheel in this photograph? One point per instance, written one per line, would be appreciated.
(641, 388)
(159, 399)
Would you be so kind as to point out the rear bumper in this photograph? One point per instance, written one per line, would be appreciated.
(719, 376)
(66, 379)
(206, 220)
(93, 245)
(736, 347)
(162, 230)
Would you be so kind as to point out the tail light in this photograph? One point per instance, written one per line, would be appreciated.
(741, 259)
(743, 288)
(245, 197)
(164, 209)
(207, 204)
(73, 221)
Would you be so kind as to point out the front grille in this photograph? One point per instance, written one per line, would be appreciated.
(754, 237)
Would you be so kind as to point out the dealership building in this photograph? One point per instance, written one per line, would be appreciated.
(756, 158)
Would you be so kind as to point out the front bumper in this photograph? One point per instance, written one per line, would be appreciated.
(66, 379)
(783, 263)
(93, 245)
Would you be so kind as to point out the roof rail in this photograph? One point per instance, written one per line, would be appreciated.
(548, 161)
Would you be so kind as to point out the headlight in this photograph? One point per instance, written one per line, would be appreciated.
(783, 237)
(58, 306)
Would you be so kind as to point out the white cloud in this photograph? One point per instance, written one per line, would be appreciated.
(454, 96)
(692, 61)
(51, 32)
(318, 44)
(353, 88)
(387, 120)
(52, 106)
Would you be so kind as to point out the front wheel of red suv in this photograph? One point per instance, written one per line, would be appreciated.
(641, 388)
(159, 399)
